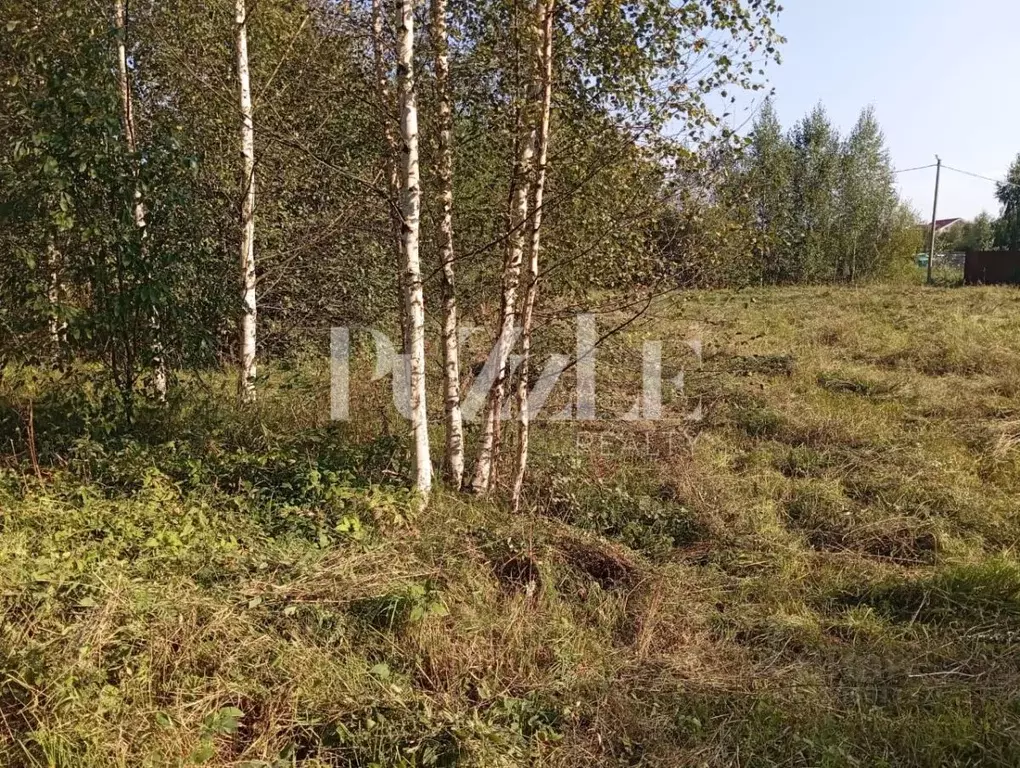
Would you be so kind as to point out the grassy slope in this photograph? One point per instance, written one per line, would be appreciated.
(824, 576)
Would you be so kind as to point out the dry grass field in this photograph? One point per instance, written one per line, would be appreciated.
(820, 571)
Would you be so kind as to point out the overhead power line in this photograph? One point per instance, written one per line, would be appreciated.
(983, 178)
(918, 168)
(959, 170)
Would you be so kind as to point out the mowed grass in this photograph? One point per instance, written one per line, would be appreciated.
(810, 559)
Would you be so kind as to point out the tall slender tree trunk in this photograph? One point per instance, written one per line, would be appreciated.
(58, 328)
(451, 342)
(853, 261)
(127, 114)
(510, 282)
(411, 213)
(392, 151)
(541, 163)
(246, 379)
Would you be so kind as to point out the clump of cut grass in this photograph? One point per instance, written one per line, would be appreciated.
(758, 419)
(749, 365)
(983, 595)
(857, 385)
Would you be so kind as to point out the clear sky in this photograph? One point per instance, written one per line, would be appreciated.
(941, 74)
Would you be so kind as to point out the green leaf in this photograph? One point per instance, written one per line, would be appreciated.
(223, 722)
(202, 753)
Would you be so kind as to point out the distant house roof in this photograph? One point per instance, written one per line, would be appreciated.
(941, 225)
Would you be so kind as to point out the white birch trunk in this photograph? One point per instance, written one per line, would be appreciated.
(58, 328)
(127, 113)
(541, 163)
(392, 150)
(451, 342)
(411, 212)
(120, 17)
(246, 380)
(485, 465)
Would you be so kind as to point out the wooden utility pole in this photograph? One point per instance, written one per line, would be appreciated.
(934, 216)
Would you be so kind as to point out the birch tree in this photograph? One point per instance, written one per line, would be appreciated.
(767, 184)
(866, 198)
(541, 163)
(510, 281)
(451, 347)
(816, 146)
(246, 379)
(58, 328)
(411, 213)
(128, 119)
(1007, 228)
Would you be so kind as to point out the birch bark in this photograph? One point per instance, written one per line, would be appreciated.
(411, 214)
(58, 329)
(246, 379)
(521, 183)
(128, 117)
(451, 343)
(541, 164)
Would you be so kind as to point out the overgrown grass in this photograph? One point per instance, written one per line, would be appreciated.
(820, 571)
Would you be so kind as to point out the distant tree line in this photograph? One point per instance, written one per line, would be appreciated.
(800, 206)
(985, 232)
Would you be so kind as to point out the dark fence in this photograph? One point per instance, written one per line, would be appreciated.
(992, 268)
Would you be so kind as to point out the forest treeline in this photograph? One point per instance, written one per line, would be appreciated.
(986, 232)
(803, 205)
(186, 183)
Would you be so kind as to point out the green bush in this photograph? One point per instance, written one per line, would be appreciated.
(643, 522)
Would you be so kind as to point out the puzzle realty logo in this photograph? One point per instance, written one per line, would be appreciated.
(646, 407)
(659, 441)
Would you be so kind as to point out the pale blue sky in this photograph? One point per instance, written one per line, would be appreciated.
(941, 74)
